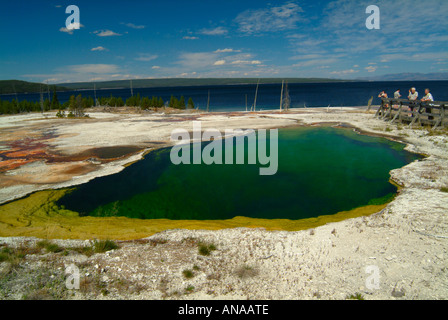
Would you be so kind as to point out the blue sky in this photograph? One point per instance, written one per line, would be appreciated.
(214, 38)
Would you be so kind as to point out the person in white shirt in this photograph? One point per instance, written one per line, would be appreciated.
(413, 94)
(428, 96)
(397, 94)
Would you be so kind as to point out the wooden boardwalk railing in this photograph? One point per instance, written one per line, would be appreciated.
(434, 113)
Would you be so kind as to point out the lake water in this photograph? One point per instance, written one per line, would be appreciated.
(233, 97)
(321, 171)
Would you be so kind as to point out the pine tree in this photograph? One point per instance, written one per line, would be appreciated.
(79, 106)
(172, 102)
(176, 103)
(72, 106)
(55, 102)
(47, 105)
(138, 100)
(153, 102)
(112, 101)
(146, 103)
(90, 102)
(130, 101)
(182, 102)
(190, 103)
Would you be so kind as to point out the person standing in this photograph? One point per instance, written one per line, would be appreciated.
(428, 97)
(413, 94)
(383, 95)
(397, 96)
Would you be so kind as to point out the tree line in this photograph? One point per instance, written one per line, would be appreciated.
(76, 105)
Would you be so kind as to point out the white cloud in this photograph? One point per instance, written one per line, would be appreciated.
(133, 26)
(190, 38)
(226, 50)
(246, 62)
(146, 57)
(106, 33)
(371, 69)
(306, 45)
(220, 63)
(343, 72)
(155, 67)
(316, 62)
(218, 31)
(74, 27)
(197, 60)
(100, 48)
(306, 57)
(94, 68)
(426, 56)
(399, 29)
(271, 19)
(64, 29)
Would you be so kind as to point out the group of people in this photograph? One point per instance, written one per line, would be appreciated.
(413, 95)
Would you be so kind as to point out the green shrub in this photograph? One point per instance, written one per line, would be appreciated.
(356, 296)
(49, 246)
(189, 289)
(205, 249)
(4, 256)
(101, 246)
(188, 274)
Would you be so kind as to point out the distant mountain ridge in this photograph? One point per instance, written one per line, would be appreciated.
(18, 86)
(409, 77)
(180, 82)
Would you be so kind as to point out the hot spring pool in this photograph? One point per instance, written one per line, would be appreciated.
(321, 171)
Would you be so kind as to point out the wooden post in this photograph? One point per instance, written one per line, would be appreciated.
(369, 104)
(281, 96)
(41, 100)
(442, 114)
(388, 112)
(398, 115)
(208, 100)
(377, 114)
(94, 92)
(256, 95)
(416, 115)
